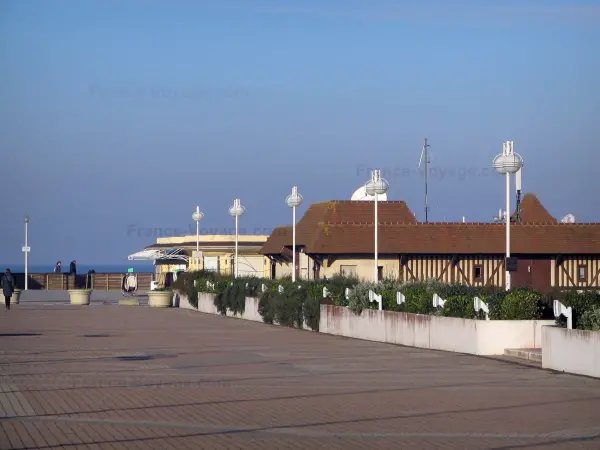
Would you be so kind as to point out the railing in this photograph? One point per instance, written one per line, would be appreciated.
(96, 281)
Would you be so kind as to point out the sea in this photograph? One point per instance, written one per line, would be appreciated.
(82, 267)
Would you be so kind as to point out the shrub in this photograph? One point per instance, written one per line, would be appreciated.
(253, 285)
(359, 297)
(299, 303)
(389, 300)
(419, 299)
(581, 302)
(590, 319)
(494, 302)
(266, 305)
(459, 306)
(289, 306)
(522, 304)
(311, 307)
(336, 286)
(232, 297)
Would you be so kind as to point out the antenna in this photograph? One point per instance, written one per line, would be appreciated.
(425, 153)
(519, 182)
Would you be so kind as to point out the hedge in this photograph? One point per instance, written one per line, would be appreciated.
(585, 308)
(299, 303)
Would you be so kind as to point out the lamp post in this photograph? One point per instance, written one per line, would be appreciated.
(507, 163)
(376, 187)
(26, 251)
(294, 200)
(236, 210)
(197, 217)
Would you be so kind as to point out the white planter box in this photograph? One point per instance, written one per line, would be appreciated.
(79, 296)
(572, 351)
(476, 337)
(160, 299)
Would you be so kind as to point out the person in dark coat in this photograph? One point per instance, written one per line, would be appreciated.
(58, 267)
(8, 287)
(73, 271)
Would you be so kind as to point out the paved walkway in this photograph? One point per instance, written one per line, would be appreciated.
(109, 377)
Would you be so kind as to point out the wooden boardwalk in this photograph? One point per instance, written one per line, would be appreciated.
(110, 377)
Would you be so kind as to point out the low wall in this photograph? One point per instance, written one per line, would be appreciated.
(206, 305)
(572, 351)
(477, 337)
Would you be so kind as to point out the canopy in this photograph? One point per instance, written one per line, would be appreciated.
(152, 254)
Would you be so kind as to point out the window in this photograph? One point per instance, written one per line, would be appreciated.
(582, 272)
(348, 271)
(380, 273)
(478, 272)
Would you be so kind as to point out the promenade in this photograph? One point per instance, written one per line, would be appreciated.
(115, 377)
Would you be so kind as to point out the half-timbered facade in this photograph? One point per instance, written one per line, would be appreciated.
(337, 237)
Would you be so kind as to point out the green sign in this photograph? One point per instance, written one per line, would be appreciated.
(130, 270)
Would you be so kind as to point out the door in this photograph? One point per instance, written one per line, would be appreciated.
(522, 277)
(541, 275)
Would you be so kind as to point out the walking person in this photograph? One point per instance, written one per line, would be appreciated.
(8, 287)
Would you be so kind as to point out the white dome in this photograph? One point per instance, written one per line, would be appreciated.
(361, 195)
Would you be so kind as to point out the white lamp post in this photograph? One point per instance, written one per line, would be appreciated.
(508, 162)
(377, 186)
(236, 210)
(26, 251)
(197, 217)
(293, 200)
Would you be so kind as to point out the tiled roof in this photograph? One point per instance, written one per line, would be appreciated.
(451, 238)
(339, 211)
(347, 227)
(532, 210)
(277, 240)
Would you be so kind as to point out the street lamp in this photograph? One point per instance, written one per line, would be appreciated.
(507, 163)
(197, 217)
(236, 210)
(294, 200)
(26, 251)
(377, 186)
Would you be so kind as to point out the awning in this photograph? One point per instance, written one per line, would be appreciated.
(152, 254)
(145, 255)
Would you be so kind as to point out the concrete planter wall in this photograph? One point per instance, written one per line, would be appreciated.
(79, 296)
(206, 305)
(476, 337)
(160, 299)
(572, 351)
(15, 298)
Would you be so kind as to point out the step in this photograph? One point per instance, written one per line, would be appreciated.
(529, 354)
(129, 302)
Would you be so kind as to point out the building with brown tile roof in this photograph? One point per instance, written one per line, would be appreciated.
(532, 211)
(337, 237)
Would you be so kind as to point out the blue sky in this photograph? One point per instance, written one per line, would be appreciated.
(119, 113)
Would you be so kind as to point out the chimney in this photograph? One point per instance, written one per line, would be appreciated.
(464, 219)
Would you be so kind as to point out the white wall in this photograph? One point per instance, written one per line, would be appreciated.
(477, 337)
(572, 351)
